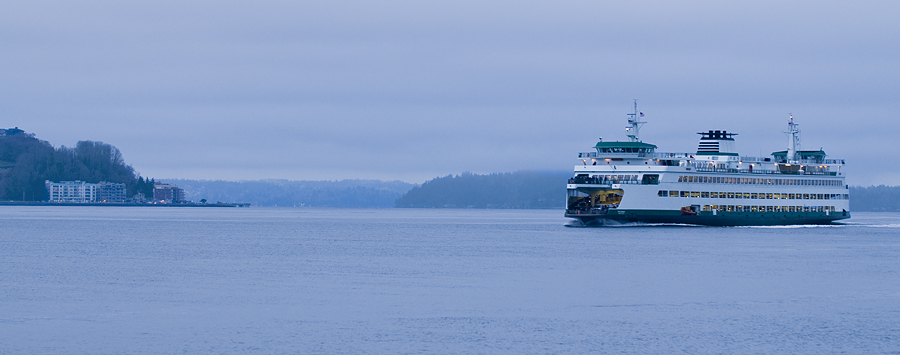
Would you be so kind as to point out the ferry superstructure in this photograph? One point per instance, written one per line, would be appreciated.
(631, 182)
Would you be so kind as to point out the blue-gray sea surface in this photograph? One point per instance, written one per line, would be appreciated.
(107, 280)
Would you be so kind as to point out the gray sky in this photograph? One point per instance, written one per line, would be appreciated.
(411, 90)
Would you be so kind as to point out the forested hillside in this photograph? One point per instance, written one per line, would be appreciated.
(343, 194)
(522, 189)
(875, 198)
(26, 162)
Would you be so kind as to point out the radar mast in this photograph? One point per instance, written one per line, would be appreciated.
(793, 150)
(634, 124)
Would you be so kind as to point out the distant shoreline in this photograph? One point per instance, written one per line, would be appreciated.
(113, 204)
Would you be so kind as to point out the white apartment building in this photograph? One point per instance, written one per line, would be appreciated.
(71, 191)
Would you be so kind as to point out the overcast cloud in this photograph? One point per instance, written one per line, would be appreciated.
(411, 90)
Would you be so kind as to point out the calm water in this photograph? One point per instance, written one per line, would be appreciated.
(257, 280)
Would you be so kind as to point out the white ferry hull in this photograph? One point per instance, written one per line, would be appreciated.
(631, 182)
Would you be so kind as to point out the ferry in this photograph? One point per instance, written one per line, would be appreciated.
(631, 181)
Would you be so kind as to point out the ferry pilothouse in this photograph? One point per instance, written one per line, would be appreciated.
(632, 182)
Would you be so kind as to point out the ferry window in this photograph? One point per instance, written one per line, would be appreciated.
(738, 195)
(713, 194)
(680, 177)
(662, 193)
(650, 179)
(769, 196)
(673, 193)
(684, 194)
(695, 194)
(846, 196)
(706, 207)
(714, 207)
(790, 196)
(704, 195)
(730, 195)
(754, 196)
(746, 195)
(821, 196)
(730, 208)
(752, 208)
(806, 196)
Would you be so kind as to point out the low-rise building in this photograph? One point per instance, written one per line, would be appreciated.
(71, 191)
(110, 192)
(168, 193)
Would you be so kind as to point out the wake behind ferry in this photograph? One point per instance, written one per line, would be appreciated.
(632, 182)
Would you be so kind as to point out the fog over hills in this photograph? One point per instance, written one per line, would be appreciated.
(336, 193)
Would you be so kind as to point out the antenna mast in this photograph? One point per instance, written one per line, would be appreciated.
(793, 152)
(634, 124)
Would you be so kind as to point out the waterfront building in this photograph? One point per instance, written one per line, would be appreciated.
(110, 192)
(71, 191)
(168, 193)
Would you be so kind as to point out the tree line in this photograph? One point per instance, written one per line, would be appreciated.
(521, 189)
(335, 194)
(879, 198)
(27, 162)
